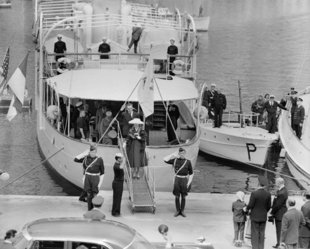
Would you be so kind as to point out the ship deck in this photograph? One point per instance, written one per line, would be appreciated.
(208, 215)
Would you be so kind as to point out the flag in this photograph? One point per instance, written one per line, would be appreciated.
(5, 68)
(146, 89)
(17, 84)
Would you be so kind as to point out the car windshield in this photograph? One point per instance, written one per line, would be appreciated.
(139, 242)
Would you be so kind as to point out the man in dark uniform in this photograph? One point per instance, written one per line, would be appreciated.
(304, 232)
(259, 205)
(93, 174)
(125, 117)
(208, 100)
(279, 207)
(174, 114)
(183, 178)
(135, 37)
(117, 184)
(59, 47)
(298, 118)
(104, 48)
(172, 50)
(219, 106)
(271, 107)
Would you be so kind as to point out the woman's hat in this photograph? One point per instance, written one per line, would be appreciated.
(136, 121)
(118, 155)
(79, 104)
(108, 113)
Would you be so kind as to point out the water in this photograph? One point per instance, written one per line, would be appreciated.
(262, 43)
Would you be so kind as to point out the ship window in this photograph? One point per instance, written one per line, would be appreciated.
(48, 245)
(75, 245)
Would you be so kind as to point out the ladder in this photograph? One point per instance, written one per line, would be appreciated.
(141, 193)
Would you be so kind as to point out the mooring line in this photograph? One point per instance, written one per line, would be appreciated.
(27, 172)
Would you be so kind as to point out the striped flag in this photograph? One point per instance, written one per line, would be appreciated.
(17, 84)
(146, 89)
(5, 68)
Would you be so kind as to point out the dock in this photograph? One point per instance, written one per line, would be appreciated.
(208, 215)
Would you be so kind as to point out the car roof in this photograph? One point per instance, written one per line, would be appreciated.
(82, 230)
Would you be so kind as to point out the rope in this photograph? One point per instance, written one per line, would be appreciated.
(27, 172)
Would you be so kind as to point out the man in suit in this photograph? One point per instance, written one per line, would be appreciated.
(304, 232)
(208, 100)
(271, 107)
(126, 116)
(259, 205)
(279, 207)
(219, 107)
(291, 221)
(298, 118)
(95, 213)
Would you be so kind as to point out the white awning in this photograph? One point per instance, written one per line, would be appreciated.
(117, 85)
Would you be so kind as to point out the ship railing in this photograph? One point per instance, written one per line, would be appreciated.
(150, 178)
(182, 68)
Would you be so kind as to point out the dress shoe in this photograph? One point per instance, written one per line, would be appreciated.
(176, 214)
(183, 214)
(82, 199)
(276, 246)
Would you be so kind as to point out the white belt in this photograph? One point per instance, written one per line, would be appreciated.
(181, 176)
(92, 174)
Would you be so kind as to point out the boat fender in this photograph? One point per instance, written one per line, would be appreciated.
(178, 67)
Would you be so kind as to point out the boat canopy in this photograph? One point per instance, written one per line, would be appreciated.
(117, 85)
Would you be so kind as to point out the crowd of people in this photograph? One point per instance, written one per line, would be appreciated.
(265, 109)
(292, 226)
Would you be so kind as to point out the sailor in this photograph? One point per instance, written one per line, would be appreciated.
(95, 213)
(59, 47)
(172, 121)
(117, 184)
(208, 100)
(7, 242)
(172, 50)
(298, 118)
(182, 179)
(93, 174)
(219, 106)
(104, 48)
(271, 107)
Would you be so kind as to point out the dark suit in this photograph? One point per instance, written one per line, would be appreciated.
(278, 209)
(272, 115)
(125, 118)
(304, 232)
(291, 221)
(298, 120)
(259, 205)
(208, 102)
(219, 106)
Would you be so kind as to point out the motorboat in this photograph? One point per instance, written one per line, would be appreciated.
(240, 138)
(5, 4)
(114, 81)
(297, 151)
(237, 139)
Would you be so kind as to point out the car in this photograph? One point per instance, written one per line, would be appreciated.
(74, 233)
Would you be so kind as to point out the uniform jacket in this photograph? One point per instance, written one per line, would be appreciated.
(298, 115)
(208, 98)
(60, 47)
(172, 49)
(291, 222)
(94, 214)
(259, 205)
(272, 109)
(125, 118)
(305, 209)
(279, 204)
(219, 101)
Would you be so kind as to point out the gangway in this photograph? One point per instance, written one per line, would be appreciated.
(141, 193)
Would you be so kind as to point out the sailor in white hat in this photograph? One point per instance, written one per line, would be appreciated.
(117, 184)
(59, 48)
(104, 48)
(172, 50)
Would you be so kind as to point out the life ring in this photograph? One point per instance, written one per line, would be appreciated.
(178, 67)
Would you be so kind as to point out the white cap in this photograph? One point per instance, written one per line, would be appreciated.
(104, 38)
(271, 96)
(119, 155)
(59, 35)
(213, 84)
(172, 39)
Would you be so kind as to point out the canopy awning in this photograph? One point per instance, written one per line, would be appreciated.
(117, 85)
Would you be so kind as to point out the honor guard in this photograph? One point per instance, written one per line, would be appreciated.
(183, 176)
(93, 168)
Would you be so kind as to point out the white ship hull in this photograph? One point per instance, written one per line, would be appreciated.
(247, 145)
(297, 151)
(50, 141)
